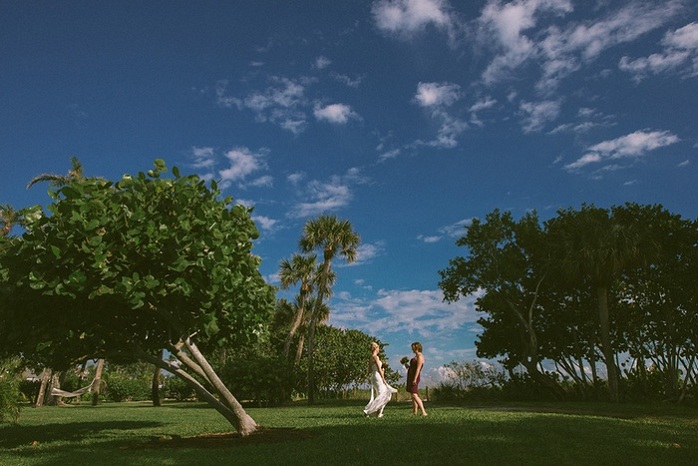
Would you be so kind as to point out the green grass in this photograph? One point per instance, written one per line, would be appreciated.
(130, 434)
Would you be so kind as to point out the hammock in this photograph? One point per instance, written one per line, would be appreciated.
(64, 394)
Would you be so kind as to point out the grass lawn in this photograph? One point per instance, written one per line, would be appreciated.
(131, 434)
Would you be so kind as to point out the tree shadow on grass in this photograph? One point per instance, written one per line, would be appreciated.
(18, 435)
(263, 435)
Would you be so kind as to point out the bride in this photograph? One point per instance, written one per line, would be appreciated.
(381, 392)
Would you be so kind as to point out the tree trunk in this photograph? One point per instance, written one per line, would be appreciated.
(155, 384)
(608, 353)
(57, 380)
(245, 425)
(97, 382)
(45, 377)
(229, 408)
(299, 349)
(294, 327)
(311, 354)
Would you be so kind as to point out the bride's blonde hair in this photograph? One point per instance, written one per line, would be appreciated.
(373, 345)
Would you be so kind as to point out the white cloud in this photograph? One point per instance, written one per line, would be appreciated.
(630, 146)
(335, 113)
(537, 114)
(265, 223)
(429, 239)
(295, 178)
(391, 154)
(348, 80)
(680, 54)
(436, 97)
(283, 102)
(321, 63)
(423, 312)
(204, 157)
(407, 17)
(320, 197)
(458, 229)
(504, 26)
(437, 94)
(243, 162)
(518, 36)
(366, 252)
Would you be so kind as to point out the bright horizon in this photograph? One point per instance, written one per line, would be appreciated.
(409, 118)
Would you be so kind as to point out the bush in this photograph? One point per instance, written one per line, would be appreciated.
(264, 380)
(10, 378)
(177, 389)
(124, 388)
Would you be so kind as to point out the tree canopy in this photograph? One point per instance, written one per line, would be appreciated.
(122, 270)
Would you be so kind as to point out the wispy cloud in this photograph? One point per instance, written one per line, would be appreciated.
(437, 94)
(266, 224)
(242, 166)
(631, 146)
(680, 55)
(321, 63)
(535, 115)
(524, 32)
(283, 102)
(454, 230)
(421, 312)
(436, 98)
(504, 26)
(366, 252)
(242, 163)
(327, 196)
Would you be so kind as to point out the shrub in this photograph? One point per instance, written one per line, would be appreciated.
(10, 377)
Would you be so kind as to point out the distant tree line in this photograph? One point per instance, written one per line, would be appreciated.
(589, 297)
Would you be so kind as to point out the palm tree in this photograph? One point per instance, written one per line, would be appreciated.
(56, 181)
(301, 268)
(333, 237)
(598, 247)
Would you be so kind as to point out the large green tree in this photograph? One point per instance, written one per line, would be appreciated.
(333, 237)
(124, 270)
(598, 246)
(505, 266)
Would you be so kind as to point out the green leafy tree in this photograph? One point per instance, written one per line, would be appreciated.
(9, 217)
(505, 265)
(334, 237)
(124, 270)
(342, 360)
(598, 246)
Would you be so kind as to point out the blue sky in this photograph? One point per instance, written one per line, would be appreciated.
(408, 118)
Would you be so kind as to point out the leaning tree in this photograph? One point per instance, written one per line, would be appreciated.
(124, 270)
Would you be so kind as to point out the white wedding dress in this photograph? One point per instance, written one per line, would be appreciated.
(380, 392)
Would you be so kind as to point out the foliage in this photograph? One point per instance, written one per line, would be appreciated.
(128, 382)
(342, 361)
(260, 378)
(10, 378)
(579, 291)
(122, 270)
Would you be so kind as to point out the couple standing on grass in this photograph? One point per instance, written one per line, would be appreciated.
(381, 392)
